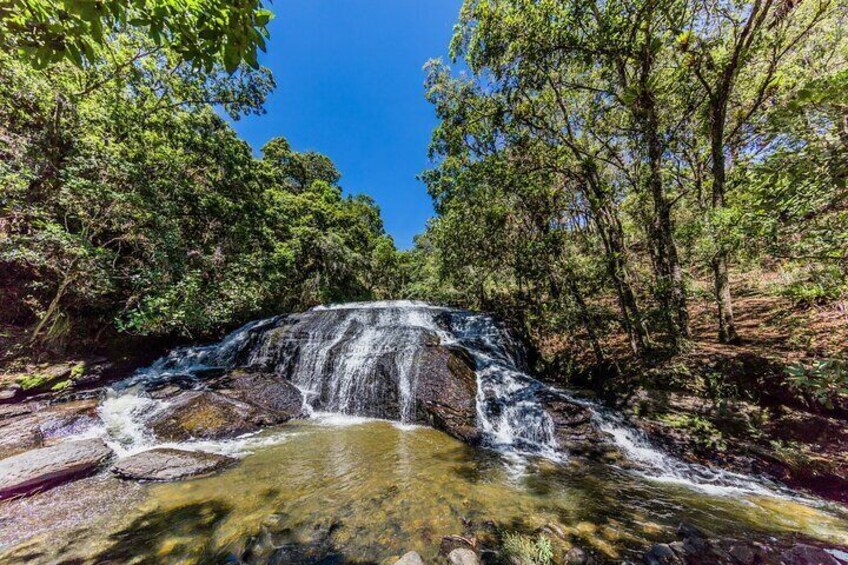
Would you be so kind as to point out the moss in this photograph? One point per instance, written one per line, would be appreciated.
(699, 428)
(32, 380)
(61, 385)
(78, 370)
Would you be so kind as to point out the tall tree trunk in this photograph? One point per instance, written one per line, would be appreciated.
(671, 290)
(724, 301)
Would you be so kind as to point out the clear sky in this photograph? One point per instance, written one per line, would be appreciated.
(350, 85)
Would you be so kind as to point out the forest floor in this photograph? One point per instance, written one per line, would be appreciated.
(734, 405)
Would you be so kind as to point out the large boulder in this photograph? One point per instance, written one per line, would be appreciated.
(447, 392)
(573, 427)
(210, 415)
(166, 464)
(265, 390)
(47, 467)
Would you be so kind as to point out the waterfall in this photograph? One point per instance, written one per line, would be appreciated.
(361, 359)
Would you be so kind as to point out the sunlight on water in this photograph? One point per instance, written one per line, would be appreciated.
(370, 489)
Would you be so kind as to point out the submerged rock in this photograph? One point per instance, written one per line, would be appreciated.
(695, 548)
(410, 558)
(463, 556)
(47, 467)
(210, 415)
(166, 464)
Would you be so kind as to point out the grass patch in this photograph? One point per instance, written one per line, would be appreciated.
(524, 550)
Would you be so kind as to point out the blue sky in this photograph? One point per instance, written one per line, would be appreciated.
(350, 85)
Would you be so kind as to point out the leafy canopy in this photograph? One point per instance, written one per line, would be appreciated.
(202, 32)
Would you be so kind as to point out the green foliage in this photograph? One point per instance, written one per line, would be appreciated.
(78, 370)
(524, 550)
(698, 428)
(824, 380)
(61, 385)
(205, 33)
(33, 380)
(126, 201)
(595, 156)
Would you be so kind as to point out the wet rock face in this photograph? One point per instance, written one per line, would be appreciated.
(209, 415)
(37, 424)
(240, 402)
(264, 390)
(573, 428)
(47, 467)
(446, 393)
(165, 464)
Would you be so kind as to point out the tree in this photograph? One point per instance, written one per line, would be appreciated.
(204, 33)
(741, 56)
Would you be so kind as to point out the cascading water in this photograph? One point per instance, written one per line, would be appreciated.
(361, 359)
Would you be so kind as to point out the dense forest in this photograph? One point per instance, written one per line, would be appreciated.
(129, 205)
(602, 167)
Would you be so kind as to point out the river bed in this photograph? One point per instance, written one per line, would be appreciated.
(362, 490)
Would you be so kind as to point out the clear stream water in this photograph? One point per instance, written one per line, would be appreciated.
(359, 482)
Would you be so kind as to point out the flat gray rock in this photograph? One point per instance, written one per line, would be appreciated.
(167, 464)
(47, 467)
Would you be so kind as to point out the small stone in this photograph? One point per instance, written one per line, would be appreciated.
(166, 464)
(410, 558)
(575, 556)
(463, 556)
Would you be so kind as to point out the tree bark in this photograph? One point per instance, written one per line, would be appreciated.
(724, 301)
(670, 291)
(612, 236)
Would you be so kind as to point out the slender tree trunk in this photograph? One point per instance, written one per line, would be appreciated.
(52, 308)
(583, 312)
(612, 236)
(724, 301)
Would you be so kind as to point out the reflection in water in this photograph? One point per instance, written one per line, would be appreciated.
(369, 490)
